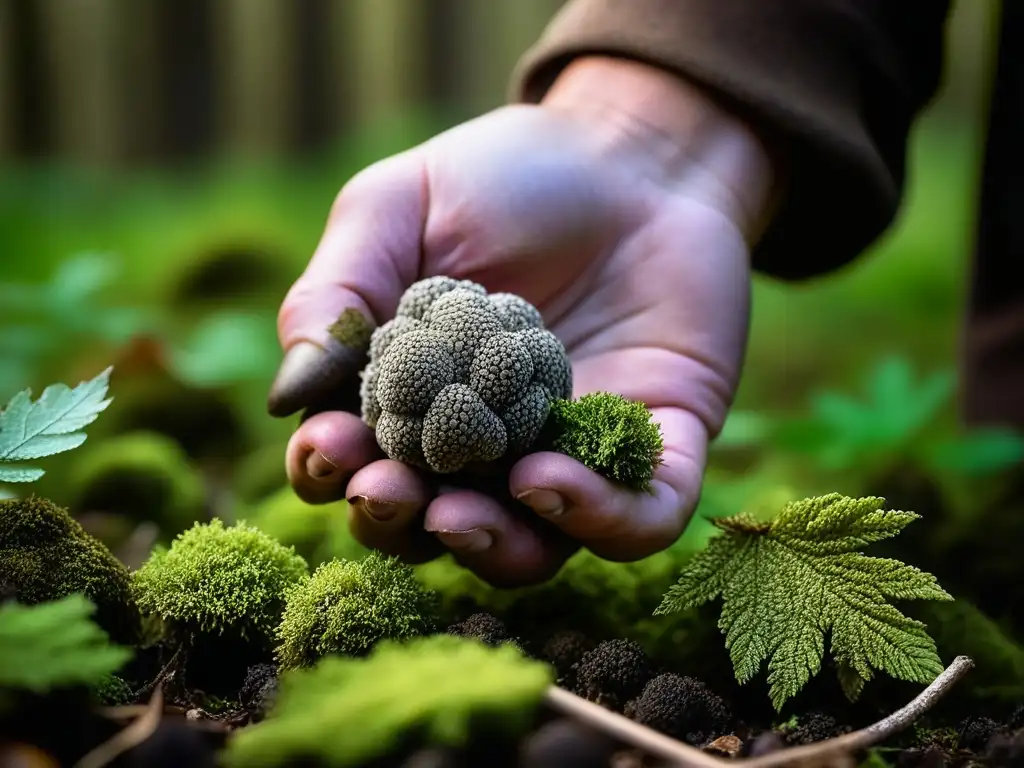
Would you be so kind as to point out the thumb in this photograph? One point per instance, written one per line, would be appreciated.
(368, 255)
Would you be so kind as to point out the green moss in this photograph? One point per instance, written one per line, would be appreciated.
(46, 555)
(613, 436)
(348, 606)
(437, 691)
(319, 532)
(216, 579)
(113, 691)
(351, 329)
(140, 476)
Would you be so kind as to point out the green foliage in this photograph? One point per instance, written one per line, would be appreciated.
(113, 691)
(787, 582)
(348, 606)
(319, 532)
(897, 420)
(226, 347)
(216, 579)
(46, 555)
(613, 436)
(55, 645)
(52, 424)
(439, 690)
(142, 476)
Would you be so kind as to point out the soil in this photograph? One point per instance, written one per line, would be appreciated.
(57, 729)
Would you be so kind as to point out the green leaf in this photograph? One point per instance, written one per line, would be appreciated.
(346, 711)
(786, 584)
(52, 424)
(54, 644)
(979, 453)
(228, 347)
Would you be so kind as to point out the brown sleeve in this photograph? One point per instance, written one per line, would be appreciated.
(839, 82)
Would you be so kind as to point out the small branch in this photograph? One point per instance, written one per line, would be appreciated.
(888, 726)
(169, 670)
(684, 756)
(131, 736)
(615, 725)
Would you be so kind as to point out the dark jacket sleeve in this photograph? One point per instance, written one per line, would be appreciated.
(838, 82)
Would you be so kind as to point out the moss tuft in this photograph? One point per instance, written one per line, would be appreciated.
(348, 606)
(46, 555)
(216, 579)
(609, 434)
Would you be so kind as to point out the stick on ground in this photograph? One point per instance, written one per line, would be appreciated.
(821, 753)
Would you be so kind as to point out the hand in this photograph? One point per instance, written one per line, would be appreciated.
(624, 207)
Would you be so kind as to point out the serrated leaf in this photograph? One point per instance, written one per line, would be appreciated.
(54, 644)
(50, 425)
(787, 584)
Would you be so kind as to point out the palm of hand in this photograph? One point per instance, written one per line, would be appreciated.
(646, 288)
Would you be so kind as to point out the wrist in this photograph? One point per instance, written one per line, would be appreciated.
(680, 134)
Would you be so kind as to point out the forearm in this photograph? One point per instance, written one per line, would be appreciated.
(837, 84)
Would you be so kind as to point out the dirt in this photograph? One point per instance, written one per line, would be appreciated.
(195, 723)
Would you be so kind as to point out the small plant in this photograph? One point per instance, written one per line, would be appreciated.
(439, 690)
(348, 606)
(46, 555)
(609, 434)
(895, 421)
(54, 645)
(786, 582)
(52, 424)
(216, 579)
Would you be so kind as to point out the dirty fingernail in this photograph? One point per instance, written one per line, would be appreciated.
(476, 540)
(545, 503)
(295, 377)
(381, 511)
(319, 466)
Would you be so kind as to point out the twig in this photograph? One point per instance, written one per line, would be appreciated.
(874, 734)
(167, 672)
(821, 753)
(131, 736)
(649, 740)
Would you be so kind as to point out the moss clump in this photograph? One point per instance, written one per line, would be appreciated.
(141, 476)
(439, 691)
(216, 579)
(319, 532)
(113, 691)
(46, 555)
(348, 606)
(609, 434)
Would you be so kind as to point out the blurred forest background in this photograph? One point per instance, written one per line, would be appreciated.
(166, 167)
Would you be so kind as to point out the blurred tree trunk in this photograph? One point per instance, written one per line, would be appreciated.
(376, 54)
(81, 73)
(8, 120)
(256, 62)
(491, 36)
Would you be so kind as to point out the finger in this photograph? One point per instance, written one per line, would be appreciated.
(611, 520)
(386, 504)
(501, 545)
(324, 453)
(368, 255)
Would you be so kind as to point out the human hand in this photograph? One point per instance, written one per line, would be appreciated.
(624, 207)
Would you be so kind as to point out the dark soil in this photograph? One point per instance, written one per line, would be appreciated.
(614, 673)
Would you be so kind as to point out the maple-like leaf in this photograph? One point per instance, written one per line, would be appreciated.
(54, 644)
(787, 583)
(52, 424)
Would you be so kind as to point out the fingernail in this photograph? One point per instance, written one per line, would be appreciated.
(381, 511)
(472, 541)
(545, 503)
(309, 373)
(319, 466)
